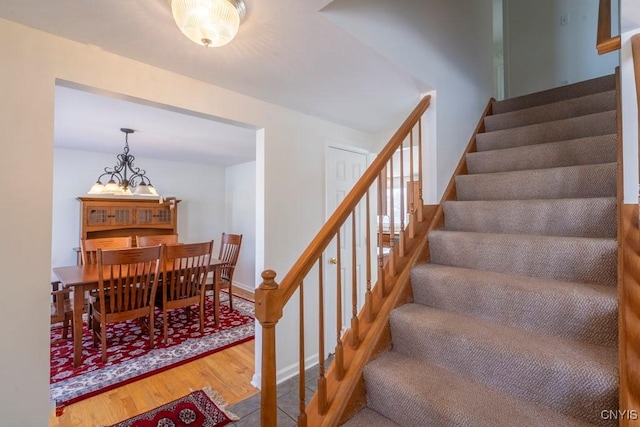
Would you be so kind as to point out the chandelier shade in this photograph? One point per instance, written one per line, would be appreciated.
(124, 176)
(209, 23)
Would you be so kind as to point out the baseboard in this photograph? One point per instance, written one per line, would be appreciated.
(288, 372)
(256, 381)
(294, 369)
(248, 288)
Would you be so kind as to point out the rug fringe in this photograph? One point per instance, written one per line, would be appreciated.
(215, 396)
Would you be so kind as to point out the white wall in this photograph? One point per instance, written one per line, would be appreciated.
(630, 19)
(293, 165)
(447, 45)
(498, 50)
(240, 213)
(629, 15)
(201, 216)
(540, 53)
(535, 28)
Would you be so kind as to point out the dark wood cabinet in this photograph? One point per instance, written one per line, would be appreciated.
(109, 217)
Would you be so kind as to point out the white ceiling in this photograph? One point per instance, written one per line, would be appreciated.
(90, 121)
(286, 52)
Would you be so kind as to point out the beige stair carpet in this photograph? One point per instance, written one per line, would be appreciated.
(514, 320)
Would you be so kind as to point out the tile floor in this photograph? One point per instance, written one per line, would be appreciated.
(288, 401)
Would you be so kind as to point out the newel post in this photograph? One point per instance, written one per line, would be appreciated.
(268, 311)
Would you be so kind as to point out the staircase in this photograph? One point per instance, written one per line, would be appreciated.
(514, 320)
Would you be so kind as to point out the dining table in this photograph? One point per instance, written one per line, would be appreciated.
(84, 278)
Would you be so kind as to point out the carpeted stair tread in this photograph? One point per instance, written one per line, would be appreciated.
(514, 320)
(415, 393)
(580, 181)
(578, 311)
(568, 376)
(582, 151)
(584, 217)
(603, 123)
(369, 418)
(580, 106)
(598, 84)
(573, 259)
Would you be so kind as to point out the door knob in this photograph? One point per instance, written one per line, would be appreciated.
(333, 260)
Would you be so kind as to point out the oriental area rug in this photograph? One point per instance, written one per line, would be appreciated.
(201, 408)
(129, 358)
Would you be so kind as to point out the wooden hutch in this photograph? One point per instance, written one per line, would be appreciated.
(126, 216)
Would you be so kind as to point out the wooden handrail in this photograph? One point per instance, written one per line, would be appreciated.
(309, 257)
(270, 297)
(349, 396)
(605, 43)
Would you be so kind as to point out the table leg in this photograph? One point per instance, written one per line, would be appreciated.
(216, 296)
(78, 309)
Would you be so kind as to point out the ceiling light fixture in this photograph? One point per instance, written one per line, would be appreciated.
(124, 176)
(209, 22)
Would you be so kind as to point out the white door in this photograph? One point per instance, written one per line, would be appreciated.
(343, 169)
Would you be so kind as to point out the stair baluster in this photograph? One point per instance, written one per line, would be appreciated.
(339, 359)
(401, 241)
(322, 381)
(355, 325)
(392, 218)
(338, 382)
(368, 302)
(302, 416)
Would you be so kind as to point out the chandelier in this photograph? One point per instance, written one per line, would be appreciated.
(209, 22)
(124, 176)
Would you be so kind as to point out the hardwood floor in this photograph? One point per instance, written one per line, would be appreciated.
(228, 371)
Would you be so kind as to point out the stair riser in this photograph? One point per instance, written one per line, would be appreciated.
(416, 394)
(412, 412)
(593, 217)
(551, 382)
(561, 130)
(401, 405)
(565, 259)
(575, 107)
(599, 84)
(556, 183)
(584, 151)
(574, 311)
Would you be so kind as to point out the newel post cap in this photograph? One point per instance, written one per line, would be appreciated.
(268, 306)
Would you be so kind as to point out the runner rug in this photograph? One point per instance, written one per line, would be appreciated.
(129, 357)
(201, 408)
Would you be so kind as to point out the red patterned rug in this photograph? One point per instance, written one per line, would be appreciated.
(197, 409)
(129, 357)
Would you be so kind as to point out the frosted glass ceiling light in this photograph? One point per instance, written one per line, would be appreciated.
(209, 22)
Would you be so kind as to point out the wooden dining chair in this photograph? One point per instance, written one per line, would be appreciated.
(89, 247)
(157, 239)
(89, 256)
(229, 251)
(61, 308)
(184, 276)
(126, 289)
